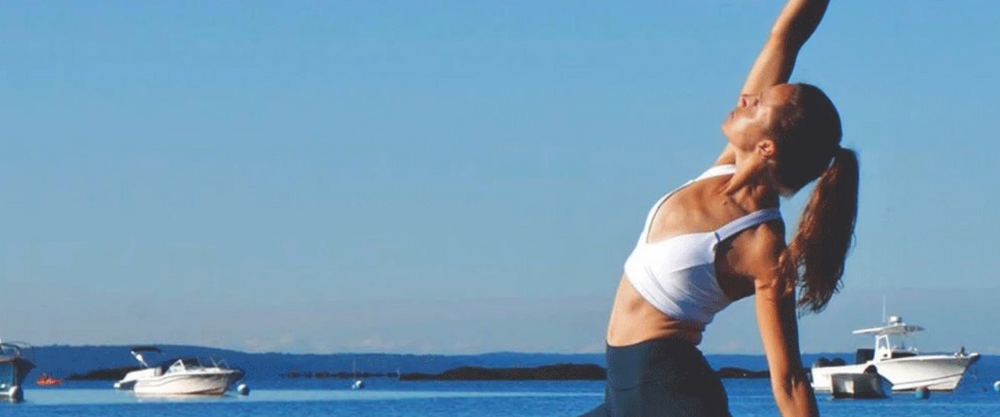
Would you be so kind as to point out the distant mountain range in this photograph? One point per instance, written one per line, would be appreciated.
(61, 361)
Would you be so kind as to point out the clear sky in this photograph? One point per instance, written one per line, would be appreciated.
(456, 177)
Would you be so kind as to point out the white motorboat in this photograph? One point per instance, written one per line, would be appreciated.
(15, 363)
(182, 376)
(904, 367)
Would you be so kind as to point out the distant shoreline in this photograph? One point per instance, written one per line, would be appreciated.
(112, 362)
(111, 374)
(335, 375)
(557, 372)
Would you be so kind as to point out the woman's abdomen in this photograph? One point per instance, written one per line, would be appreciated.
(634, 320)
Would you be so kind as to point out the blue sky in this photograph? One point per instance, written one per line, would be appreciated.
(455, 177)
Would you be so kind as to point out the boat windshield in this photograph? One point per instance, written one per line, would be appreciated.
(213, 362)
(184, 364)
(192, 363)
(893, 346)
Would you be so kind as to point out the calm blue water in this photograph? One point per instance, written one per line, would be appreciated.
(390, 398)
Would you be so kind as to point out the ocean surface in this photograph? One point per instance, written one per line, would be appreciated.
(390, 398)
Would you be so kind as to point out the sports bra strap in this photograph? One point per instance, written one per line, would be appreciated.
(752, 219)
(716, 171)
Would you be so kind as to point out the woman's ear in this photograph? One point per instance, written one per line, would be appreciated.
(765, 149)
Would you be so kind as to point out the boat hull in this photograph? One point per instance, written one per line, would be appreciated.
(125, 385)
(128, 382)
(189, 383)
(864, 385)
(13, 371)
(934, 372)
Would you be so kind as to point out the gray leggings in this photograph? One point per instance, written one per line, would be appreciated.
(661, 377)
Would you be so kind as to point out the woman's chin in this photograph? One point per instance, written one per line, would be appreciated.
(725, 130)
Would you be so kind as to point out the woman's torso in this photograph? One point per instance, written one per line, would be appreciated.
(695, 208)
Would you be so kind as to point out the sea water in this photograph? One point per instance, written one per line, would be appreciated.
(390, 398)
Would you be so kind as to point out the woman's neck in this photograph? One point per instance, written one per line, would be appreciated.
(752, 185)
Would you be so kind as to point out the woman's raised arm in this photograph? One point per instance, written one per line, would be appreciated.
(796, 23)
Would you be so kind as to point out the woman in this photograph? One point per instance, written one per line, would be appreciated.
(720, 238)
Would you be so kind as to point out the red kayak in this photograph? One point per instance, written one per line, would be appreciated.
(47, 381)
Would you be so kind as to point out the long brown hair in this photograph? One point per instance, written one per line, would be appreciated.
(809, 134)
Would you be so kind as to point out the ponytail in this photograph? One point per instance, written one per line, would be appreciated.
(819, 249)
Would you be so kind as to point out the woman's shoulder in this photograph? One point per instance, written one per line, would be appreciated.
(760, 248)
(768, 235)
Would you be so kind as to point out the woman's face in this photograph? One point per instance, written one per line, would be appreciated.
(755, 116)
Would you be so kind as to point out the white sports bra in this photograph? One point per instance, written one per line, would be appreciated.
(677, 275)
